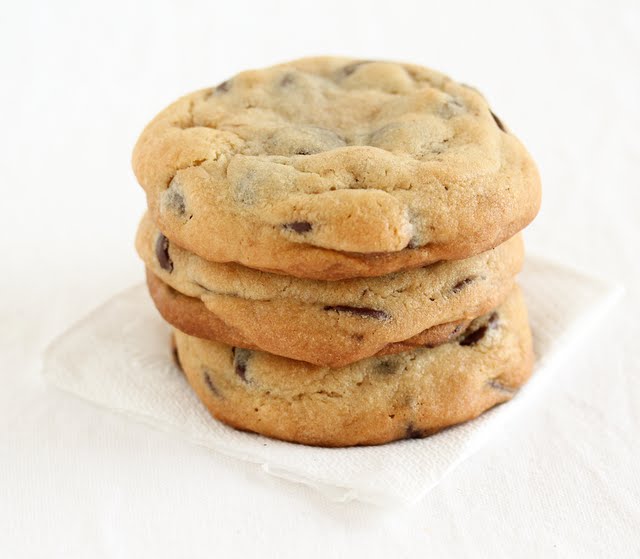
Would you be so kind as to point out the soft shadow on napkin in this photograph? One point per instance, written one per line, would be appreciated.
(119, 357)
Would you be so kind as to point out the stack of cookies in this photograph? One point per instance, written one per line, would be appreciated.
(335, 243)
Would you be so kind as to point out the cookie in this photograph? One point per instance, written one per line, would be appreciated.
(373, 401)
(324, 322)
(332, 168)
(191, 316)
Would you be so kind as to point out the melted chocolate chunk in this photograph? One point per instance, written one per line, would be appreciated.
(462, 284)
(162, 253)
(359, 311)
(498, 122)
(413, 433)
(175, 200)
(298, 226)
(210, 385)
(474, 337)
(240, 358)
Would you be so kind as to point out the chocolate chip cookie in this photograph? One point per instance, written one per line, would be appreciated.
(333, 168)
(191, 316)
(373, 401)
(323, 322)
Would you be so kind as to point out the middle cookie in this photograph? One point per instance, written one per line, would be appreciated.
(328, 323)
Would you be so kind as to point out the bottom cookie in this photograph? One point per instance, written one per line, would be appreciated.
(377, 400)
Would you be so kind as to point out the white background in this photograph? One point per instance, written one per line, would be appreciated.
(78, 83)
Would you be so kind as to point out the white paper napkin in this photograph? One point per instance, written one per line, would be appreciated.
(119, 357)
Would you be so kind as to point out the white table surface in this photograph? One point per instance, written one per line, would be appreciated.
(79, 81)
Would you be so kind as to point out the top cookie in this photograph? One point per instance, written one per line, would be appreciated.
(330, 168)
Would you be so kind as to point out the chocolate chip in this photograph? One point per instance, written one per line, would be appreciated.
(302, 139)
(240, 358)
(162, 253)
(359, 311)
(244, 190)
(241, 371)
(351, 68)
(413, 433)
(175, 200)
(287, 79)
(497, 385)
(298, 226)
(223, 87)
(474, 337)
(387, 366)
(462, 284)
(209, 383)
(498, 122)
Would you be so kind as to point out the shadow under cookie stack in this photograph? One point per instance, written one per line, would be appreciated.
(335, 243)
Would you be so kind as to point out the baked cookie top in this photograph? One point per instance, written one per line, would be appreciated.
(332, 167)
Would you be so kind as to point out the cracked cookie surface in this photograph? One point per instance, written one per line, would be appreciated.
(324, 322)
(374, 401)
(331, 168)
